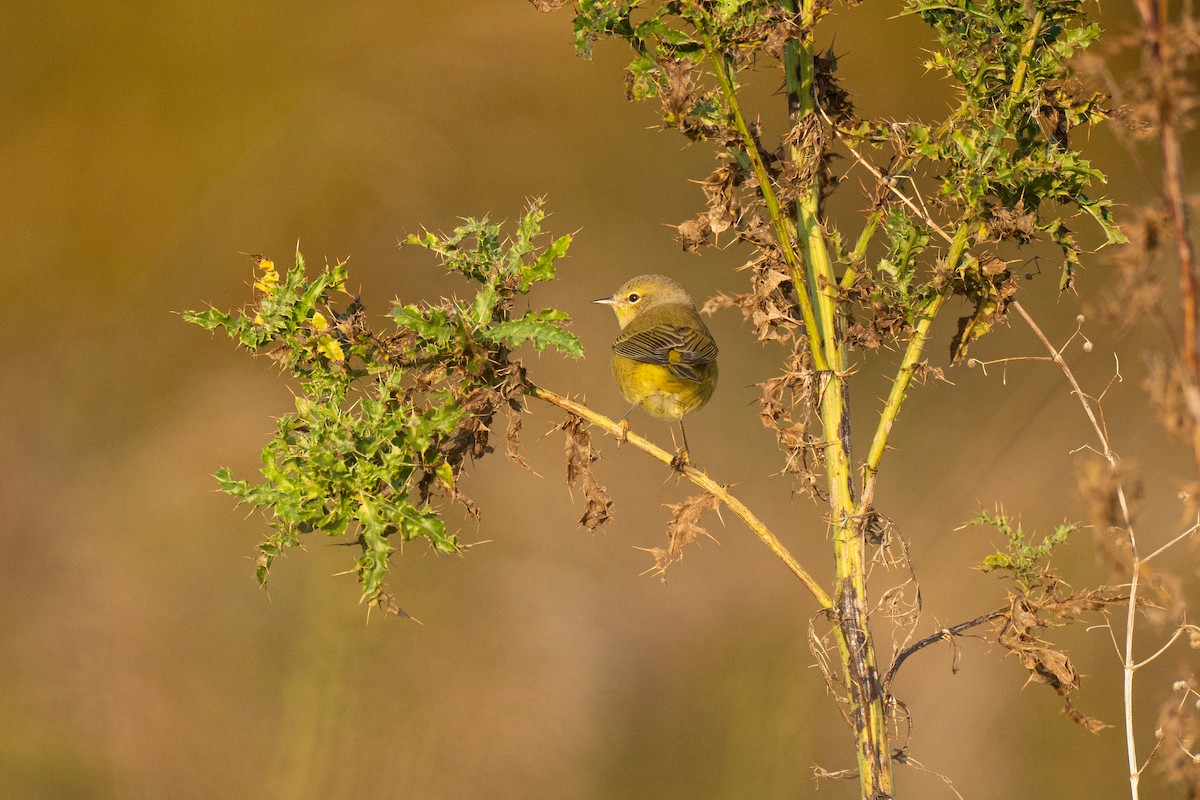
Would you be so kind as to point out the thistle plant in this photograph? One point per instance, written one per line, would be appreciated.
(385, 423)
(388, 418)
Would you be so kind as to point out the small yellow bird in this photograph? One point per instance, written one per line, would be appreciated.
(665, 360)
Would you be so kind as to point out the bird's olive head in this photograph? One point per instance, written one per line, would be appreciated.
(644, 292)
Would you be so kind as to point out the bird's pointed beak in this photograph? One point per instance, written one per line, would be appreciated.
(605, 301)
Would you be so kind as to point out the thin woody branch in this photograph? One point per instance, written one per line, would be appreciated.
(938, 636)
(699, 478)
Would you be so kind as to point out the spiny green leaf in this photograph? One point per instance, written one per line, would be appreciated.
(428, 525)
(431, 324)
(540, 329)
(1101, 211)
(210, 319)
(369, 445)
(543, 268)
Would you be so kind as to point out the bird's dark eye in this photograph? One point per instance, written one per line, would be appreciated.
(633, 298)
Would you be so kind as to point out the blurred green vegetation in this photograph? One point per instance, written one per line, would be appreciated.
(144, 147)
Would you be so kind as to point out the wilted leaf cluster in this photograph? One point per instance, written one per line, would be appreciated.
(386, 420)
(1038, 600)
(597, 503)
(683, 529)
(1022, 631)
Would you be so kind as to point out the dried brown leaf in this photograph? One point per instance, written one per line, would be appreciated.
(677, 93)
(683, 529)
(1019, 629)
(693, 234)
(788, 407)
(580, 456)
(806, 136)
(720, 189)
(923, 371)
(388, 603)
(770, 306)
(1090, 724)
(1013, 223)
(513, 440)
(717, 302)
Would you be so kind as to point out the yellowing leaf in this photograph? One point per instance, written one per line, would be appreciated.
(445, 474)
(331, 349)
(269, 277)
(318, 321)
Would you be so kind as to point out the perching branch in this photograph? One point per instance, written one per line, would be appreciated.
(698, 477)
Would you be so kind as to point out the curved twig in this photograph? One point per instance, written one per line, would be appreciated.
(694, 475)
(934, 638)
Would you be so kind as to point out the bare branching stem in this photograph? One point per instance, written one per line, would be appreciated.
(944, 634)
(1076, 389)
(696, 476)
(1128, 665)
(1180, 631)
(1179, 538)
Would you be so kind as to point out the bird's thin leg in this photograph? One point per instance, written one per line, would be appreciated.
(624, 423)
(681, 458)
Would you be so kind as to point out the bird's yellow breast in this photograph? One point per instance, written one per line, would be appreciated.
(660, 393)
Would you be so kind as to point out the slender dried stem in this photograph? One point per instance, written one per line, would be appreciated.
(1157, 58)
(938, 636)
(1128, 665)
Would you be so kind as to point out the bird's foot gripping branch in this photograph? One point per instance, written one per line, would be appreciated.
(385, 421)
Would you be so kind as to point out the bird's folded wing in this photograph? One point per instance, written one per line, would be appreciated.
(680, 350)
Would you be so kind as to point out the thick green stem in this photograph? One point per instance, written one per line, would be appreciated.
(799, 72)
(900, 384)
(860, 673)
(904, 375)
(862, 668)
(784, 232)
(1035, 29)
(859, 663)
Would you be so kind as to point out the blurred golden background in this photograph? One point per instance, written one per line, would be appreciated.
(145, 146)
